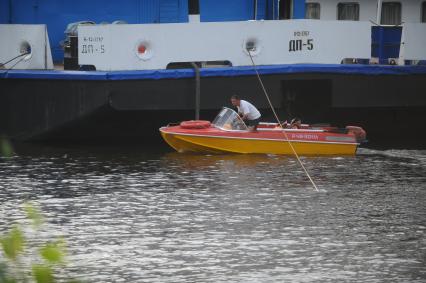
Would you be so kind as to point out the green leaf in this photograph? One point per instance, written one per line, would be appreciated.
(53, 252)
(42, 273)
(34, 214)
(13, 243)
(6, 148)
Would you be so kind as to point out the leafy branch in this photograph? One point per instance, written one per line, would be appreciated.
(15, 246)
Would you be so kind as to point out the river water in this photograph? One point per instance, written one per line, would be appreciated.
(153, 215)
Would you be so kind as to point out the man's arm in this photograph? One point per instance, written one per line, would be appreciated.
(242, 115)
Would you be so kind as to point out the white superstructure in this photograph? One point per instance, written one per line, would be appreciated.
(151, 46)
(25, 47)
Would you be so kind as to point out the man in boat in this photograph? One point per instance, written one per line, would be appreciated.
(247, 111)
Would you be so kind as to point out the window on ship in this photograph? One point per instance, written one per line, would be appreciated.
(285, 9)
(423, 20)
(193, 7)
(391, 13)
(312, 11)
(348, 11)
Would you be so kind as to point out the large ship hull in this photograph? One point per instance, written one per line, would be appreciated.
(124, 106)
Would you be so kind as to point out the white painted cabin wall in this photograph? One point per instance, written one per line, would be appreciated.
(411, 9)
(12, 37)
(414, 38)
(115, 47)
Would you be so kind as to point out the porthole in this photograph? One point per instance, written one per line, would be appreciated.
(252, 45)
(143, 50)
(25, 48)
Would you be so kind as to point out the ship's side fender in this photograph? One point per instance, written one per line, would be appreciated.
(195, 124)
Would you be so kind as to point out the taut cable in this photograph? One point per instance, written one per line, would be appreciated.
(279, 123)
(16, 57)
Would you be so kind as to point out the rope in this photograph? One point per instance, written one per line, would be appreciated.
(279, 123)
(23, 54)
(15, 64)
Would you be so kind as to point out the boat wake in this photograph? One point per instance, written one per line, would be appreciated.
(416, 156)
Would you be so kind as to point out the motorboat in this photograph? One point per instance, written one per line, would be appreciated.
(229, 134)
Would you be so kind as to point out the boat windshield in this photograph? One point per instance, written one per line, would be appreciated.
(228, 119)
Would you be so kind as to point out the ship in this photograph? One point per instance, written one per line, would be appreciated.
(109, 70)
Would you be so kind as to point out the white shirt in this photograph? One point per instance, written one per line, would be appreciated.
(249, 109)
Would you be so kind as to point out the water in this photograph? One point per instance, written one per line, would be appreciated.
(152, 215)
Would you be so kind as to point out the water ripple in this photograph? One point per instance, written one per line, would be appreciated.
(169, 217)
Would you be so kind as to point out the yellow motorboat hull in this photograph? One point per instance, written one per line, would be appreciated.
(215, 144)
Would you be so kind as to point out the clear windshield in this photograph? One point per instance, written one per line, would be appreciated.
(228, 119)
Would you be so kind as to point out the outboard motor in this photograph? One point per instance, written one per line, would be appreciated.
(360, 134)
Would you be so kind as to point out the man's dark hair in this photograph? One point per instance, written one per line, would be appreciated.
(236, 97)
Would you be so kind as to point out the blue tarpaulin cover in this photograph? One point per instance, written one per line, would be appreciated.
(213, 72)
